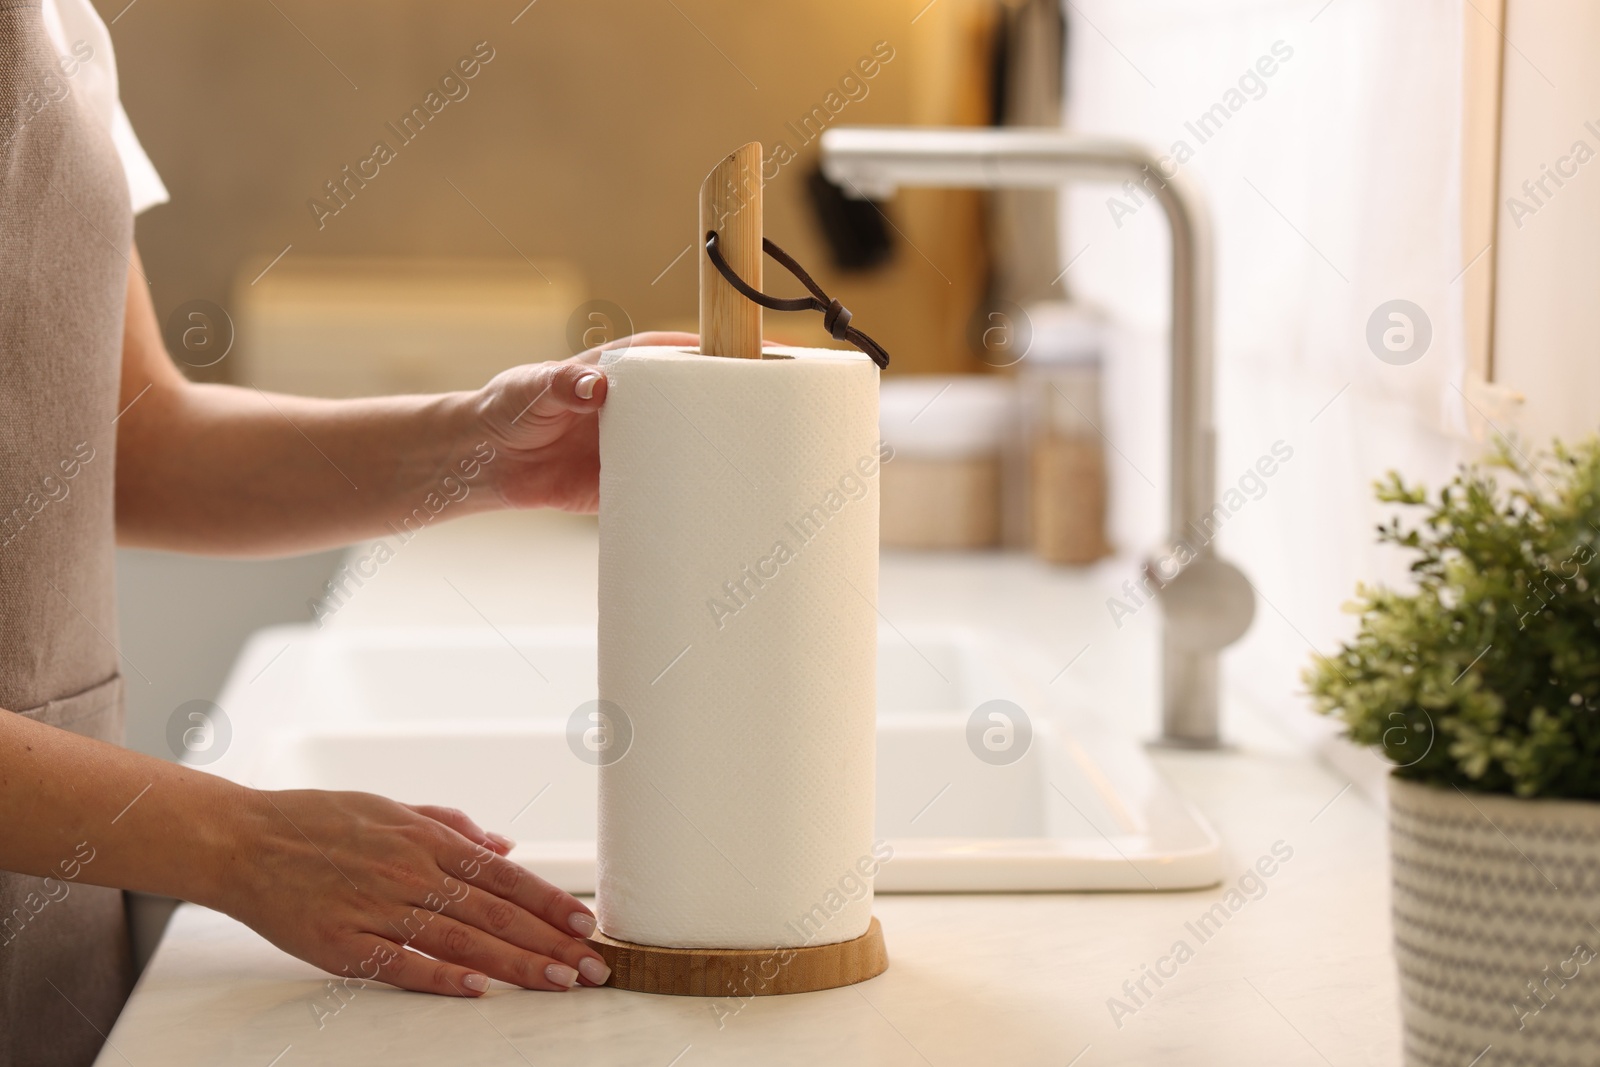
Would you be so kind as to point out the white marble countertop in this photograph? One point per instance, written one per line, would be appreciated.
(1298, 972)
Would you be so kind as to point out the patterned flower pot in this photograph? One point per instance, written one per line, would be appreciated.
(1496, 927)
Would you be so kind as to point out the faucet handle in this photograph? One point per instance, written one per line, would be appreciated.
(1207, 605)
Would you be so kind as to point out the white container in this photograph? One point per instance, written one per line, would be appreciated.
(339, 326)
(1495, 909)
(943, 488)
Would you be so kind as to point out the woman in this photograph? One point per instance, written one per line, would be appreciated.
(102, 441)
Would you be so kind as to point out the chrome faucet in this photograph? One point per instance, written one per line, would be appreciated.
(1207, 603)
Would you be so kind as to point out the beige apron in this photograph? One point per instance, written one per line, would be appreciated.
(66, 229)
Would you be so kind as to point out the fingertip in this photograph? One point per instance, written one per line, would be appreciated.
(594, 970)
(406, 968)
(588, 385)
(499, 842)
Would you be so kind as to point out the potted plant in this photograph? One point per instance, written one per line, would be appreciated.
(1482, 684)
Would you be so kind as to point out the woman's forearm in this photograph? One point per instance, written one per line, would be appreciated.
(230, 470)
(233, 471)
(356, 884)
(225, 470)
(77, 810)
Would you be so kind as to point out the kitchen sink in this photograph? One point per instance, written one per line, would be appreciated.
(477, 718)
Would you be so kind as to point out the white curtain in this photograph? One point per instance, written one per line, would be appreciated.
(1333, 183)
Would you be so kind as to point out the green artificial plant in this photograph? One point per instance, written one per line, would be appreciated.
(1485, 676)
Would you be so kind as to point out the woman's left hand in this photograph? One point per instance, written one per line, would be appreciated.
(543, 420)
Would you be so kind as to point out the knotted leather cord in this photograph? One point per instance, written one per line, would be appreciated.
(835, 316)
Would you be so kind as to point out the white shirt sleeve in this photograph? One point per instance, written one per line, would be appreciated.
(90, 66)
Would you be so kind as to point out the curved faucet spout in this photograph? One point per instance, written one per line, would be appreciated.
(873, 161)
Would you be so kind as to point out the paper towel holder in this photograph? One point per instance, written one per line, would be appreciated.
(730, 326)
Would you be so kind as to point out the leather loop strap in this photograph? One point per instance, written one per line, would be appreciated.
(835, 316)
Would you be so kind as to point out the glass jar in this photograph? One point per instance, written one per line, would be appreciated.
(1063, 447)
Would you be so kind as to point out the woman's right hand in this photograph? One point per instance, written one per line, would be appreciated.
(363, 886)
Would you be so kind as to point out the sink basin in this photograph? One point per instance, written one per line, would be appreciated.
(477, 719)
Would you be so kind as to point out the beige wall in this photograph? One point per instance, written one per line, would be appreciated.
(584, 139)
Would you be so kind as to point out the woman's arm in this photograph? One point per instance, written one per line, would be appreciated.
(356, 884)
(230, 470)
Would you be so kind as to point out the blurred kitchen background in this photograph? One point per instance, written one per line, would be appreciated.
(548, 202)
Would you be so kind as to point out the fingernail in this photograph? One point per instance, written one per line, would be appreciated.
(594, 970)
(501, 839)
(585, 387)
(581, 923)
(561, 974)
(478, 983)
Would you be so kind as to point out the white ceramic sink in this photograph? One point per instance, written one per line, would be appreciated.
(477, 719)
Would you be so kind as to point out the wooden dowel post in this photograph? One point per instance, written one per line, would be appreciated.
(730, 204)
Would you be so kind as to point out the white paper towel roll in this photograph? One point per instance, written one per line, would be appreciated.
(738, 637)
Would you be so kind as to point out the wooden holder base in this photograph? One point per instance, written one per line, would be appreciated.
(742, 972)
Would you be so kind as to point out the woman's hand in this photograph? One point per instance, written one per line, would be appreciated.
(543, 420)
(363, 887)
